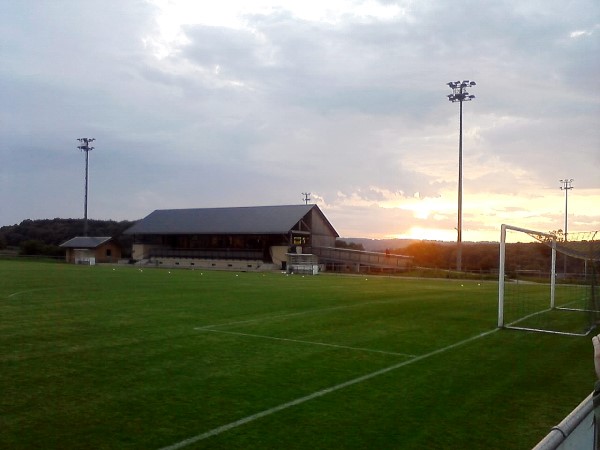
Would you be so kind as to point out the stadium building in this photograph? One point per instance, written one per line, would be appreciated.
(296, 238)
(242, 238)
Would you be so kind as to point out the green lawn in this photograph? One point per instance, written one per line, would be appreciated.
(114, 357)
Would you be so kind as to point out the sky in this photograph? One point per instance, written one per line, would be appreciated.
(199, 104)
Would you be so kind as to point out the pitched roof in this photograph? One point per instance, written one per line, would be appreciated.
(240, 220)
(85, 242)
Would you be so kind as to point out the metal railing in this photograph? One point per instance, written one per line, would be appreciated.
(574, 432)
(242, 254)
(373, 259)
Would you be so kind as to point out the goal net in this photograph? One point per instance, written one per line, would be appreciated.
(548, 283)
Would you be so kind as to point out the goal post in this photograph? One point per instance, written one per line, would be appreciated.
(529, 297)
(502, 267)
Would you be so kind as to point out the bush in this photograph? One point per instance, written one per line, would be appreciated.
(32, 247)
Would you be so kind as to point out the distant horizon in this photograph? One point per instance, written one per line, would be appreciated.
(355, 239)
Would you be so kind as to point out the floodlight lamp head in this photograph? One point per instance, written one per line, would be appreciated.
(472, 83)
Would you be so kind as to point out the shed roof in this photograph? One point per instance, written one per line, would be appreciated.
(238, 220)
(85, 242)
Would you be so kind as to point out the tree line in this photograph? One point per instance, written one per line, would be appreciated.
(521, 257)
(481, 256)
(44, 236)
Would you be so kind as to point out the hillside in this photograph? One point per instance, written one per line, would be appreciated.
(380, 245)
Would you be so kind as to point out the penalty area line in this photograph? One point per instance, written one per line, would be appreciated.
(324, 344)
(15, 294)
(294, 314)
(321, 393)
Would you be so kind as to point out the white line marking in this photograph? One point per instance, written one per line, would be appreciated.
(14, 294)
(301, 313)
(307, 342)
(528, 316)
(298, 401)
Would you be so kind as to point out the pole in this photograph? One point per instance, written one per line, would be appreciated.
(566, 187)
(306, 197)
(85, 203)
(501, 276)
(459, 237)
(460, 95)
(553, 275)
(566, 213)
(85, 147)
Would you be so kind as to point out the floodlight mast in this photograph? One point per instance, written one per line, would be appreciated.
(85, 147)
(460, 95)
(306, 197)
(566, 187)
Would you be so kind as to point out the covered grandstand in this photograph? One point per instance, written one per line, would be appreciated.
(234, 238)
(290, 237)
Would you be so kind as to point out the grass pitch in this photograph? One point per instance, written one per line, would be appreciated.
(114, 357)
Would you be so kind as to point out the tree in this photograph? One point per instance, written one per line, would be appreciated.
(32, 247)
(349, 245)
(53, 232)
(429, 254)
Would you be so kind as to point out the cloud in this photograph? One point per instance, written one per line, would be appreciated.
(254, 103)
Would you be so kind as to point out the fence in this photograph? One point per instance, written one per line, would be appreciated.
(358, 258)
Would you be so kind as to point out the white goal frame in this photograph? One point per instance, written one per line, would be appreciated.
(501, 283)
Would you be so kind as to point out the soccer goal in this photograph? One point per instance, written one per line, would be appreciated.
(547, 283)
